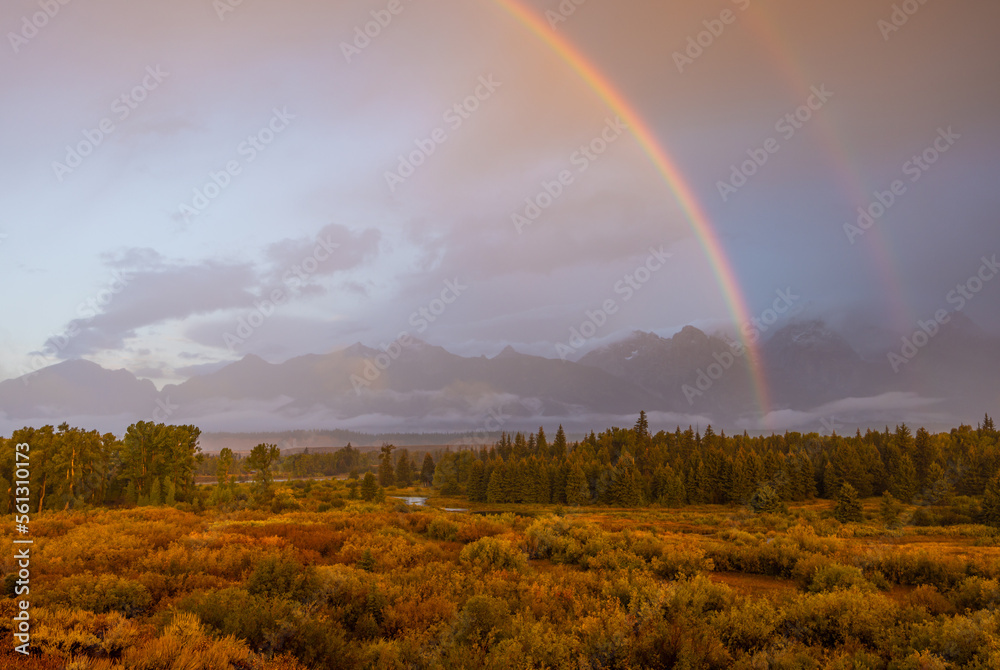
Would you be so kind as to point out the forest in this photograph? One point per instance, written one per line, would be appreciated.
(625, 549)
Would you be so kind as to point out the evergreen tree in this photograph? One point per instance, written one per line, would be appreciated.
(903, 484)
(939, 490)
(386, 473)
(477, 487)
(626, 485)
(369, 487)
(888, 510)
(765, 500)
(848, 508)
(990, 512)
(542, 444)
(923, 456)
(641, 427)
(559, 444)
(404, 470)
(577, 488)
(427, 470)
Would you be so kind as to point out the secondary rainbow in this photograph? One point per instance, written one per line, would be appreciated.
(667, 167)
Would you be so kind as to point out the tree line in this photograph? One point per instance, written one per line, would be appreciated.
(632, 467)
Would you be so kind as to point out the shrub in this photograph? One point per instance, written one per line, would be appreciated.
(490, 553)
(482, 618)
(276, 577)
(442, 529)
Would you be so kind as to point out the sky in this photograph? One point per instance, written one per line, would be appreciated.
(185, 183)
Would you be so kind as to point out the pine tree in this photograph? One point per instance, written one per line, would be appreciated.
(476, 489)
(765, 500)
(577, 489)
(848, 508)
(542, 444)
(427, 470)
(404, 470)
(369, 487)
(386, 473)
(626, 485)
(990, 512)
(903, 484)
(559, 444)
(641, 427)
(888, 510)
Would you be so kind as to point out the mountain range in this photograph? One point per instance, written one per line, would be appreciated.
(814, 378)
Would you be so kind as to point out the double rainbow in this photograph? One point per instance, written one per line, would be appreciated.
(668, 168)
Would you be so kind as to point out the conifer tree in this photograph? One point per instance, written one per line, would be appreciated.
(404, 470)
(626, 486)
(369, 487)
(903, 484)
(990, 512)
(559, 444)
(386, 473)
(542, 444)
(848, 508)
(577, 488)
(427, 470)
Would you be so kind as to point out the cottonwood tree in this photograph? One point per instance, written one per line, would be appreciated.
(261, 458)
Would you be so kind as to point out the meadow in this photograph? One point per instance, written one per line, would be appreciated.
(334, 582)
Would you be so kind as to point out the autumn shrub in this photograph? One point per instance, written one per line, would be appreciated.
(833, 618)
(976, 593)
(442, 529)
(491, 553)
(478, 527)
(928, 598)
(99, 594)
(482, 618)
(747, 626)
(234, 611)
(184, 645)
(836, 577)
(681, 560)
(280, 577)
(969, 640)
(695, 596)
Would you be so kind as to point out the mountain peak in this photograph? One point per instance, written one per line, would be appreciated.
(507, 352)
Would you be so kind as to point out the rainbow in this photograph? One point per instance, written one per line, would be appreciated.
(699, 221)
(765, 23)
